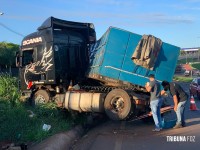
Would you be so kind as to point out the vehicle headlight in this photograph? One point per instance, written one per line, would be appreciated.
(92, 25)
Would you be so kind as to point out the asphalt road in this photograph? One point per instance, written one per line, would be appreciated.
(139, 136)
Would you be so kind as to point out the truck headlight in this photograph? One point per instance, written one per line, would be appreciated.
(92, 25)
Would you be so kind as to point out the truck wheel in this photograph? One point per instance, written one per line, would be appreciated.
(118, 104)
(41, 97)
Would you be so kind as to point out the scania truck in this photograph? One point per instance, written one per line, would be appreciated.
(61, 54)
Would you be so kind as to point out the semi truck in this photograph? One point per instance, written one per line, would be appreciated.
(106, 75)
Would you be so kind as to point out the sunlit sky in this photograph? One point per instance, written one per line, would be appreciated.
(174, 21)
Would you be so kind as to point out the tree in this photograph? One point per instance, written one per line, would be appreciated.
(7, 54)
(182, 52)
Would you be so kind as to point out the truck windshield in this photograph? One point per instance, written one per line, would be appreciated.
(27, 57)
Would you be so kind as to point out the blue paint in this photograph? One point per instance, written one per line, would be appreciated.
(112, 58)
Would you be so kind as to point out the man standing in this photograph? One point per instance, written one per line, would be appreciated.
(180, 97)
(155, 100)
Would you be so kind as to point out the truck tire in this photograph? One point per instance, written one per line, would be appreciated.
(118, 105)
(40, 97)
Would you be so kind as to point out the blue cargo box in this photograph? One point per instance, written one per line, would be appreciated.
(110, 59)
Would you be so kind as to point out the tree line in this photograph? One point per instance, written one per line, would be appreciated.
(7, 55)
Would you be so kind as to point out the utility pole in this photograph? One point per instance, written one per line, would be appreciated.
(1, 13)
(198, 47)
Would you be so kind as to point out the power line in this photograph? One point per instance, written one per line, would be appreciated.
(6, 27)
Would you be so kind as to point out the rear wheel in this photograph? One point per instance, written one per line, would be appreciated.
(118, 104)
(40, 97)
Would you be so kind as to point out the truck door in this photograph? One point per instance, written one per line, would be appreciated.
(28, 58)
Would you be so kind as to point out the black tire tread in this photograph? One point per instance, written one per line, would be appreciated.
(128, 106)
(44, 93)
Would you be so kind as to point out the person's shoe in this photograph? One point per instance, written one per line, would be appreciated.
(177, 126)
(156, 130)
(183, 124)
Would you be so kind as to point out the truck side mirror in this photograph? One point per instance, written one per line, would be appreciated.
(17, 59)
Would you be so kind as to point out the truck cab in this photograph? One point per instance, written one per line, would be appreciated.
(55, 55)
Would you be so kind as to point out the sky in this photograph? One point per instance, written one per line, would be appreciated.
(173, 21)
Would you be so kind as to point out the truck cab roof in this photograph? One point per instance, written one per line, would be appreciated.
(51, 21)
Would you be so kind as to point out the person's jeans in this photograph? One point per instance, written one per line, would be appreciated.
(155, 108)
(180, 113)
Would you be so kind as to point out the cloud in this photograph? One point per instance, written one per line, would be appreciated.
(131, 17)
(112, 2)
(138, 18)
(111, 18)
(168, 19)
(184, 7)
(193, 1)
(23, 17)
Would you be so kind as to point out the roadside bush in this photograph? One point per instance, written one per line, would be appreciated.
(183, 79)
(196, 65)
(8, 89)
(19, 122)
(18, 126)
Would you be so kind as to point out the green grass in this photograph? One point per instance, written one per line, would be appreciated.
(183, 79)
(196, 65)
(189, 60)
(18, 127)
(8, 89)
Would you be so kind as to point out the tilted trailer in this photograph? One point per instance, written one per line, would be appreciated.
(122, 92)
(110, 73)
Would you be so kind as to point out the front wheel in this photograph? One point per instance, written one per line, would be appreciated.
(40, 97)
(118, 105)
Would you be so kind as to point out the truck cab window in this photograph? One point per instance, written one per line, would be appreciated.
(27, 57)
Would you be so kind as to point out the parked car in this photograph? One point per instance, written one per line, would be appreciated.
(178, 69)
(187, 73)
(195, 72)
(195, 87)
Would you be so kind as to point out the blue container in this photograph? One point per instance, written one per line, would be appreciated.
(168, 124)
(110, 59)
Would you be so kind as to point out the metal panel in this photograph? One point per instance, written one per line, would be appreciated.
(116, 61)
